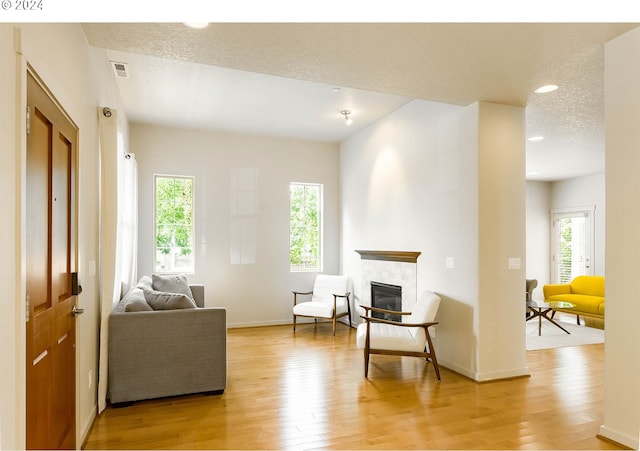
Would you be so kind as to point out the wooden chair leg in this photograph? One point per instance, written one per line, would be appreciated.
(294, 323)
(578, 319)
(366, 363)
(367, 345)
(349, 311)
(334, 324)
(432, 354)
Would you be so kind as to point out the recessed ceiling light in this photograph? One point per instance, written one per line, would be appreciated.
(536, 138)
(532, 173)
(197, 24)
(336, 90)
(546, 88)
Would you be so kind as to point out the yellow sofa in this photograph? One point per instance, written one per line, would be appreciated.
(585, 292)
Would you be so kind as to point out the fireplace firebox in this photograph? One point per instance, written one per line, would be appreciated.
(388, 297)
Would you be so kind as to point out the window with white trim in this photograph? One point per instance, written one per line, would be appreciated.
(305, 227)
(173, 213)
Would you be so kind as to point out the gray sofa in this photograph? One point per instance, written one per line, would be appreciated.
(158, 353)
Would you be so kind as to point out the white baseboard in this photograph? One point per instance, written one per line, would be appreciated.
(284, 322)
(86, 429)
(485, 377)
(619, 437)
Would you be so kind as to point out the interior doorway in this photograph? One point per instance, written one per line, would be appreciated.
(51, 262)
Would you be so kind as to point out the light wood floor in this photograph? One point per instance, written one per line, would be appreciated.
(307, 391)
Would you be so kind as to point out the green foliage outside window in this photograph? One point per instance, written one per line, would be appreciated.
(305, 221)
(565, 254)
(174, 224)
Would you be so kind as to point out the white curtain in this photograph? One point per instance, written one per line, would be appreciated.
(127, 242)
(118, 232)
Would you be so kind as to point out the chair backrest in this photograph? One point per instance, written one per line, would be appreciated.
(530, 285)
(426, 308)
(326, 286)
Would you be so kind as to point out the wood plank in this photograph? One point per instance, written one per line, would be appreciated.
(307, 391)
(392, 256)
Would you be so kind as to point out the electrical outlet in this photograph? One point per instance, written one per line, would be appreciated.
(90, 378)
(449, 263)
(513, 263)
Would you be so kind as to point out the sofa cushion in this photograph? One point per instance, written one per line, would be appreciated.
(161, 300)
(582, 302)
(171, 283)
(387, 336)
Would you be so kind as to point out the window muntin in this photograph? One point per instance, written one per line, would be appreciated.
(173, 231)
(305, 227)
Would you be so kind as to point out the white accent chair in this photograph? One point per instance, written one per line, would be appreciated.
(410, 337)
(329, 300)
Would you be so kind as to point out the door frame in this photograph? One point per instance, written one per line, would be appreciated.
(24, 68)
(591, 210)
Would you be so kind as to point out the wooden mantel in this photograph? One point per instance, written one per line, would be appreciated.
(392, 256)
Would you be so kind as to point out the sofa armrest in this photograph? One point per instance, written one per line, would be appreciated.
(555, 289)
(166, 353)
(197, 290)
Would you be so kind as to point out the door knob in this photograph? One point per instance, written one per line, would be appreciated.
(75, 311)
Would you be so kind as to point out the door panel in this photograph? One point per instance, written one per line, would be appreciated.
(50, 226)
(60, 218)
(37, 225)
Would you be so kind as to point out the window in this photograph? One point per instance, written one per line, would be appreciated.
(572, 243)
(174, 224)
(305, 227)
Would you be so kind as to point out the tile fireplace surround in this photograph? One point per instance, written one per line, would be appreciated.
(391, 267)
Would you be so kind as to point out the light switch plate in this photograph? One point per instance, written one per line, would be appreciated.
(514, 263)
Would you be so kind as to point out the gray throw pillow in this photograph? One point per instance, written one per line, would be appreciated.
(138, 305)
(160, 300)
(134, 301)
(145, 283)
(172, 283)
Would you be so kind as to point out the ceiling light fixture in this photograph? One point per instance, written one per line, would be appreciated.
(347, 118)
(197, 25)
(546, 88)
(536, 138)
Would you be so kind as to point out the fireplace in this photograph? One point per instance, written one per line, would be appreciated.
(388, 297)
(398, 268)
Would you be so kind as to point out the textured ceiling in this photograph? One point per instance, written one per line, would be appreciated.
(384, 65)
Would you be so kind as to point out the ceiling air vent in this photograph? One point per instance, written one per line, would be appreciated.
(121, 70)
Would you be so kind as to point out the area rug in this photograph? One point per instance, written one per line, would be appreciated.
(553, 337)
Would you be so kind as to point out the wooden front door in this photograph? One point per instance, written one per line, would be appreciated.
(50, 262)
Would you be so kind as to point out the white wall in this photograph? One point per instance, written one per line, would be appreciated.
(538, 244)
(254, 294)
(412, 182)
(60, 55)
(622, 159)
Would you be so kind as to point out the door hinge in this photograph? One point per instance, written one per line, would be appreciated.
(27, 308)
(28, 120)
